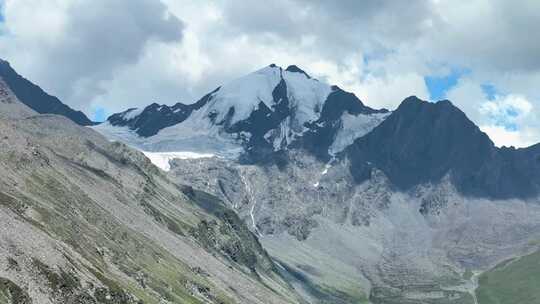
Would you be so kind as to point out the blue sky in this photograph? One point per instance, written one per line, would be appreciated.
(99, 115)
(1, 11)
(438, 86)
(489, 90)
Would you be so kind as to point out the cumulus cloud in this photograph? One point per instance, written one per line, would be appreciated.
(508, 119)
(71, 47)
(489, 35)
(116, 54)
(501, 136)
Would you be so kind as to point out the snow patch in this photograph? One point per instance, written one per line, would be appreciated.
(198, 134)
(132, 113)
(306, 95)
(244, 94)
(162, 159)
(354, 127)
(198, 137)
(325, 171)
(282, 135)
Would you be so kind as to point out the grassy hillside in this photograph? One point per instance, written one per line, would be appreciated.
(516, 281)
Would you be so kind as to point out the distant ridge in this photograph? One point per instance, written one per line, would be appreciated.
(37, 99)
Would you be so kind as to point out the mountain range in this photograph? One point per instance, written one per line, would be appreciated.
(275, 188)
(286, 109)
(257, 116)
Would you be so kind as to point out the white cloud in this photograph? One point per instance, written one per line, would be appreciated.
(503, 137)
(390, 90)
(70, 47)
(467, 95)
(506, 110)
(510, 120)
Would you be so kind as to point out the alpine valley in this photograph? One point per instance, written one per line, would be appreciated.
(273, 188)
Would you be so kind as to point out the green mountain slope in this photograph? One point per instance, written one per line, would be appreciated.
(84, 220)
(515, 281)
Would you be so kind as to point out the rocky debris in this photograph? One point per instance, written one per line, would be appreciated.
(12, 293)
(422, 238)
(200, 271)
(10, 107)
(299, 227)
(66, 242)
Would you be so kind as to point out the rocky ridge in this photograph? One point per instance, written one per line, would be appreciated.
(35, 98)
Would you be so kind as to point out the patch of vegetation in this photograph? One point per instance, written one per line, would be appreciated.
(150, 273)
(161, 218)
(13, 264)
(101, 240)
(516, 282)
(467, 275)
(11, 293)
(14, 204)
(63, 282)
(324, 294)
(228, 234)
(299, 227)
(114, 296)
(225, 239)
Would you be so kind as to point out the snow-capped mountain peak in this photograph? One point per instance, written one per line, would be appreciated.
(237, 100)
(266, 111)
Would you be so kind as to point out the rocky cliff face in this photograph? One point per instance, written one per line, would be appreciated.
(84, 220)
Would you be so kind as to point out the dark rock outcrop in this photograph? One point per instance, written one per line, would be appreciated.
(322, 133)
(421, 142)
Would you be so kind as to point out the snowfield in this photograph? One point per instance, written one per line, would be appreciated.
(162, 159)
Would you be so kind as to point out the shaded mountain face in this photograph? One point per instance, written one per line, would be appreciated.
(261, 114)
(422, 142)
(37, 99)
